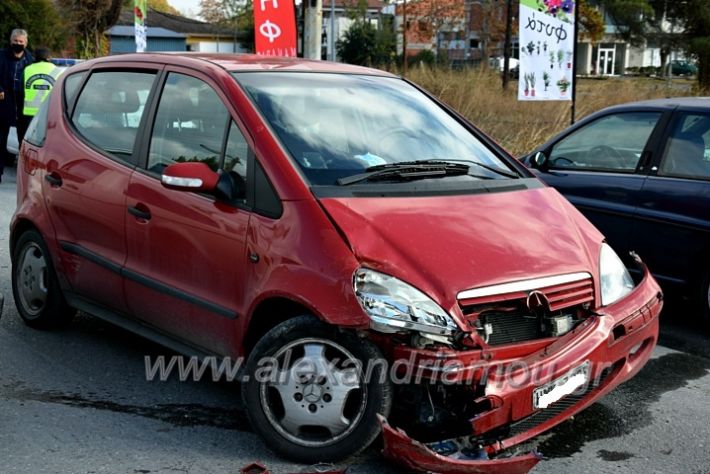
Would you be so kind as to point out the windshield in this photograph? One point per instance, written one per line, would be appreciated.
(337, 125)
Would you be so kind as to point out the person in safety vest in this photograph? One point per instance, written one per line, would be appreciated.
(39, 80)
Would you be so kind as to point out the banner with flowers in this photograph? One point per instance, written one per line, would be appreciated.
(546, 49)
(139, 12)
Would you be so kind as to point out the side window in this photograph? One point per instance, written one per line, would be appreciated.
(109, 109)
(189, 125)
(71, 87)
(687, 152)
(37, 129)
(237, 152)
(611, 143)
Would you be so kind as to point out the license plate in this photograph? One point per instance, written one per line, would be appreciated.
(556, 390)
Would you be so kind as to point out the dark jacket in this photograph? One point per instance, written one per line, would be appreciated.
(8, 111)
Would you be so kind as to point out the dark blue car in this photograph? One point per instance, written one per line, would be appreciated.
(641, 173)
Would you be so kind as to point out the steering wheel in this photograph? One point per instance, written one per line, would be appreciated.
(388, 138)
(608, 151)
(562, 159)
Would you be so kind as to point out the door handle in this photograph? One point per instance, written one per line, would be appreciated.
(53, 179)
(140, 212)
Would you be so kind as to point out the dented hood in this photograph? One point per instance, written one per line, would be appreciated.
(446, 244)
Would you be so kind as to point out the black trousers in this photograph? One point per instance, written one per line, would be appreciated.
(23, 122)
(4, 155)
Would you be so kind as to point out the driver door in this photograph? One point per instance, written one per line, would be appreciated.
(601, 166)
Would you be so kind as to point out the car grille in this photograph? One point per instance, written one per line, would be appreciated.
(504, 317)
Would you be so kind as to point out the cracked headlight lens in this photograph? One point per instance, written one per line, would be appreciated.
(395, 305)
(614, 278)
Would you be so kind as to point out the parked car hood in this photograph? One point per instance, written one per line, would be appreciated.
(445, 244)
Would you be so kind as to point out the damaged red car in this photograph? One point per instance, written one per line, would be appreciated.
(380, 264)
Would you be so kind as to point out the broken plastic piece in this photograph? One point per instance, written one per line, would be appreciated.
(413, 455)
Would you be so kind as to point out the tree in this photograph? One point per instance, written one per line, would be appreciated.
(39, 17)
(591, 22)
(90, 19)
(235, 14)
(673, 24)
(365, 45)
(697, 32)
(162, 6)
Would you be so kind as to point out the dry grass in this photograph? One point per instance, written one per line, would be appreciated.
(521, 126)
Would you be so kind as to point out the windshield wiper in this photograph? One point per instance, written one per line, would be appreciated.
(492, 169)
(407, 170)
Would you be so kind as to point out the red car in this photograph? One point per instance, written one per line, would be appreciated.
(381, 264)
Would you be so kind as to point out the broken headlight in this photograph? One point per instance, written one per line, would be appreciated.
(394, 305)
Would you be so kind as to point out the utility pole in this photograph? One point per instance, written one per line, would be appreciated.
(507, 47)
(332, 30)
(313, 29)
(404, 38)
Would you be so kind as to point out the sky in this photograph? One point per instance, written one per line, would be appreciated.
(189, 7)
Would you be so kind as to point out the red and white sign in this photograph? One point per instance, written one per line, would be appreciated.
(275, 27)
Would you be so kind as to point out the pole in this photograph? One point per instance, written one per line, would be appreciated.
(332, 30)
(507, 47)
(574, 62)
(313, 29)
(404, 38)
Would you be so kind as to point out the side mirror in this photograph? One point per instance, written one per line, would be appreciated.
(539, 161)
(193, 176)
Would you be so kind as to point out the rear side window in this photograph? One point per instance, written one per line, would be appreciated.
(37, 130)
(110, 108)
(687, 154)
(71, 87)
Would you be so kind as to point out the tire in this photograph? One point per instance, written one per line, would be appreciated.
(324, 421)
(38, 298)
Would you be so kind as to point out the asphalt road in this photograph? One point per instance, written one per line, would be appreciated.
(78, 401)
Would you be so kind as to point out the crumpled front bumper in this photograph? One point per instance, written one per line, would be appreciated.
(401, 449)
(616, 343)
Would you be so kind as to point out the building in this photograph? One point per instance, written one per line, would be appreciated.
(469, 30)
(613, 56)
(343, 12)
(167, 32)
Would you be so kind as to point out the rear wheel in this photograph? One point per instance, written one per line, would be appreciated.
(315, 404)
(38, 298)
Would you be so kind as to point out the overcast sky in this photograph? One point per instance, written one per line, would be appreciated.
(186, 6)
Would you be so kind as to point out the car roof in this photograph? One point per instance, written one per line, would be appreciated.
(243, 62)
(670, 103)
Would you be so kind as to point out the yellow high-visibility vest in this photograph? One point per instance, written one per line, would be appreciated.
(39, 79)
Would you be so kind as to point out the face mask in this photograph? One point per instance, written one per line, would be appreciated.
(17, 48)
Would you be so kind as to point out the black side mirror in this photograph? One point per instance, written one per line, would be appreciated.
(539, 161)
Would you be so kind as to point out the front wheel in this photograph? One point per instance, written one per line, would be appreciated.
(307, 394)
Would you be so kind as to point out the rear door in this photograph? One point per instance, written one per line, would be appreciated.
(601, 166)
(672, 232)
(88, 174)
(186, 251)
